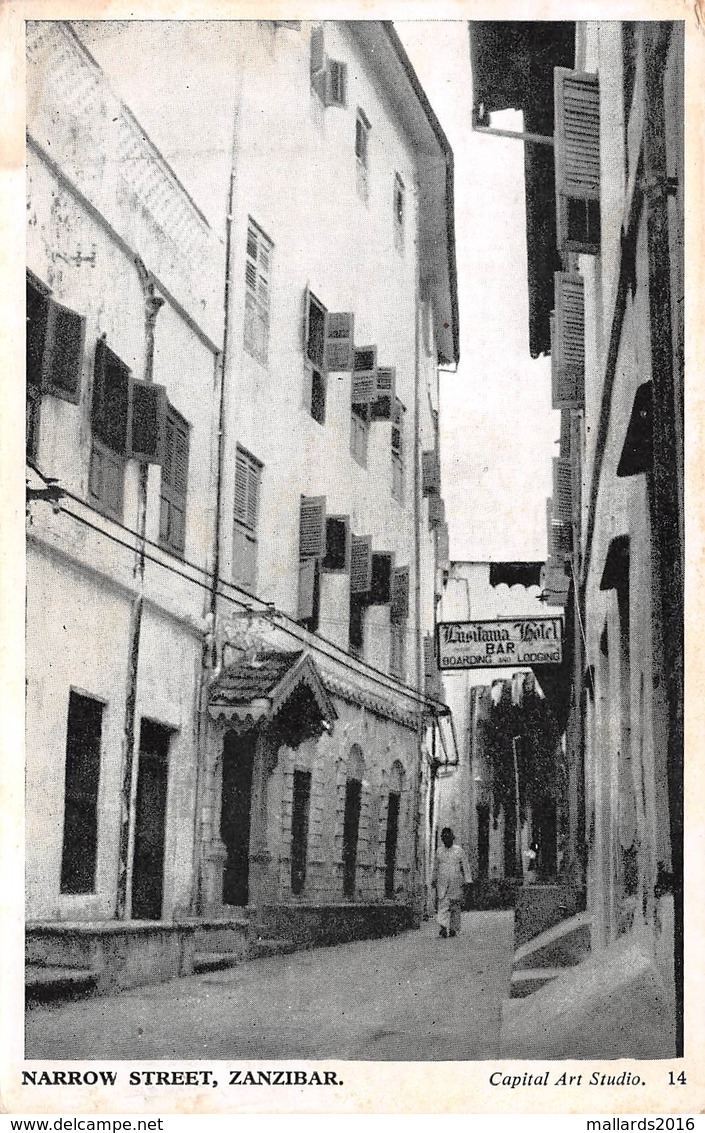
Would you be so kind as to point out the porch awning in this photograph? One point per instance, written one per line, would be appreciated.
(273, 686)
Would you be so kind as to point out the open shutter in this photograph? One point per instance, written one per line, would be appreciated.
(560, 535)
(304, 321)
(112, 399)
(364, 378)
(381, 579)
(336, 83)
(63, 353)
(382, 408)
(312, 529)
(307, 582)
(562, 491)
(37, 318)
(318, 61)
(399, 610)
(436, 511)
(430, 473)
(339, 330)
(564, 444)
(337, 555)
(568, 342)
(360, 564)
(577, 160)
(149, 409)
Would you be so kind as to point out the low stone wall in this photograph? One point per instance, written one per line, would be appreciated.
(493, 893)
(121, 955)
(540, 907)
(311, 925)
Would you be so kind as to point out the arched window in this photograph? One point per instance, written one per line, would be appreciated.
(351, 819)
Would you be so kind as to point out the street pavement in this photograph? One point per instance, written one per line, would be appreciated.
(412, 997)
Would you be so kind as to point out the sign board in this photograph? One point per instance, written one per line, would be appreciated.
(504, 643)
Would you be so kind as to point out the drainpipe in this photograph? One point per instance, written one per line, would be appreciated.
(152, 305)
(419, 862)
(209, 656)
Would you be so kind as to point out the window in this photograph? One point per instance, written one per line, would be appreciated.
(362, 139)
(248, 477)
(315, 355)
(172, 516)
(300, 806)
(312, 549)
(257, 281)
(398, 614)
(337, 556)
(398, 452)
(430, 473)
(80, 838)
(390, 843)
(360, 585)
(351, 826)
(399, 207)
(359, 432)
(54, 358)
(329, 77)
(568, 342)
(381, 579)
(577, 159)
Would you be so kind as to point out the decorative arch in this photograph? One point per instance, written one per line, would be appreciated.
(396, 777)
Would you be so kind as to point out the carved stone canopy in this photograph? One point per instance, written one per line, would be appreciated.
(280, 691)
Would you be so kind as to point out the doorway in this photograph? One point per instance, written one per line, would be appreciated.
(235, 812)
(390, 843)
(150, 822)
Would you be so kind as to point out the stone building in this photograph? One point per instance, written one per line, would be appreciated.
(236, 532)
(614, 195)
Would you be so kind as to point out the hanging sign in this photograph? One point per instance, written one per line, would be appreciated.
(504, 643)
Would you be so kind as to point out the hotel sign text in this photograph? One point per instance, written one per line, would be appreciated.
(504, 643)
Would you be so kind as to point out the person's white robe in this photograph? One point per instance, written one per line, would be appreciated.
(450, 872)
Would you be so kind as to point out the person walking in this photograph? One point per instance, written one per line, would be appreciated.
(451, 870)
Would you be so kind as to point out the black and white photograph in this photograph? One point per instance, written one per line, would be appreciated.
(353, 598)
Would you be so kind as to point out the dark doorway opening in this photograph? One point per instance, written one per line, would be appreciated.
(300, 805)
(483, 840)
(390, 843)
(150, 822)
(235, 806)
(351, 826)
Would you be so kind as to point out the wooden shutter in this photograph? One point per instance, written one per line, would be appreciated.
(399, 611)
(443, 546)
(364, 378)
(148, 432)
(562, 491)
(382, 408)
(337, 555)
(436, 511)
(112, 398)
(577, 157)
(430, 473)
(336, 83)
(248, 473)
(564, 445)
(360, 564)
(381, 579)
(63, 353)
(397, 427)
(307, 582)
(172, 519)
(37, 316)
(318, 58)
(568, 342)
(339, 330)
(312, 527)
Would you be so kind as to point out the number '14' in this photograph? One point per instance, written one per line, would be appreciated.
(676, 1079)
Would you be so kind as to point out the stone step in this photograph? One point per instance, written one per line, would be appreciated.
(212, 961)
(51, 975)
(525, 981)
(260, 948)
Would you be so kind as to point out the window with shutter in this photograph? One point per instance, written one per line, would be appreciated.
(397, 650)
(149, 411)
(106, 479)
(336, 83)
(364, 375)
(248, 475)
(339, 331)
(312, 527)
(174, 485)
(337, 556)
(399, 610)
(562, 491)
(577, 161)
(63, 353)
(382, 408)
(436, 512)
(398, 451)
(307, 609)
(430, 473)
(564, 442)
(359, 432)
(257, 280)
(315, 349)
(362, 136)
(356, 633)
(317, 64)
(568, 342)
(381, 579)
(399, 205)
(111, 408)
(360, 564)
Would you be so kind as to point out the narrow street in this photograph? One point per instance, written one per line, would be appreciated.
(407, 998)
